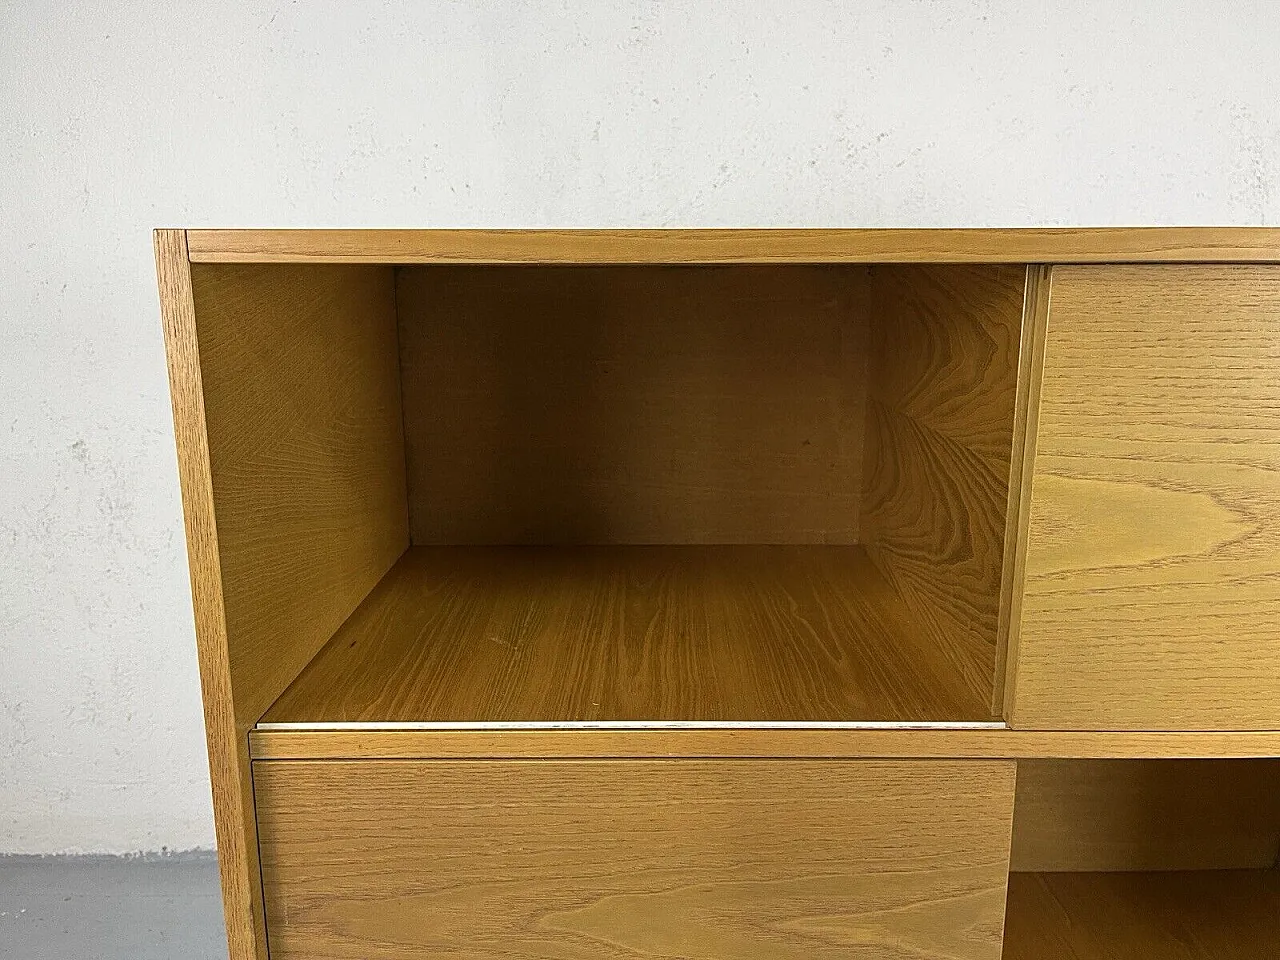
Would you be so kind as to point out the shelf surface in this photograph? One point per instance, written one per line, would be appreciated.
(1200, 915)
(634, 634)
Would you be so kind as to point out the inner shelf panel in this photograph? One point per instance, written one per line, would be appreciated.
(643, 634)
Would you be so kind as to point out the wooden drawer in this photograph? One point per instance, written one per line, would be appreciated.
(1152, 596)
(630, 859)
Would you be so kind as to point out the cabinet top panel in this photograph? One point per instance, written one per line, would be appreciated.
(1025, 245)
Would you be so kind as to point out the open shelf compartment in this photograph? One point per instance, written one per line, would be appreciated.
(750, 494)
(1120, 859)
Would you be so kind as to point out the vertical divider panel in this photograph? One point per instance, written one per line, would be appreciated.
(944, 366)
(1035, 316)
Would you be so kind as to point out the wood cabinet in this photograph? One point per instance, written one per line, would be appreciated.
(699, 593)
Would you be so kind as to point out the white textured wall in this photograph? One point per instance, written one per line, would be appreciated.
(118, 117)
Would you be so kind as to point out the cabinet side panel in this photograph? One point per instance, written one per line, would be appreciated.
(1152, 593)
(943, 380)
(306, 450)
(228, 748)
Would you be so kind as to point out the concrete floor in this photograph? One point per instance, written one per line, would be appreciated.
(109, 908)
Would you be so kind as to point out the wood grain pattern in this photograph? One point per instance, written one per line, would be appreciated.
(629, 633)
(943, 379)
(633, 404)
(1152, 596)
(302, 411)
(1146, 815)
(592, 860)
(1055, 245)
(229, 767)
(812, 743)
(1206, 915)
(1026, 419)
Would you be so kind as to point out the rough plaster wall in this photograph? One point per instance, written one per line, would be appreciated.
(118, 117)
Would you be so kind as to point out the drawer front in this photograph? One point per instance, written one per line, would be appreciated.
(633, 859)
(1152, 593)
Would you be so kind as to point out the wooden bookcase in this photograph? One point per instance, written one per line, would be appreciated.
(736, 593)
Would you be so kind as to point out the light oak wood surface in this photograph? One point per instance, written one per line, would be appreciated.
(719, 633)
(1026, 418)
(302, 413)
(1152, 595)
(269, 744)
(1204, 915)
(633, 404)
(943, 377)
(228, 748)
(1067, 480)
(1035, 245)
(1146, 815)
(594, 860)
